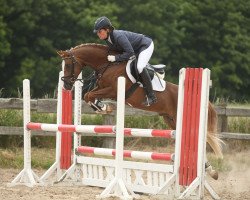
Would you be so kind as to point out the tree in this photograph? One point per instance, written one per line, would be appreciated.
(216, 35)
(210, 33)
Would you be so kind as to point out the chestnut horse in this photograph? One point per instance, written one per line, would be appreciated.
(95, 56)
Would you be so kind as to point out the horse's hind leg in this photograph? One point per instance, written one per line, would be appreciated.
(209, 169)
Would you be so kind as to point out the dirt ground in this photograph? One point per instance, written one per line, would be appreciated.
(233, 184)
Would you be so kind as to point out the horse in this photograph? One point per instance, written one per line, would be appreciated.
(95, 56)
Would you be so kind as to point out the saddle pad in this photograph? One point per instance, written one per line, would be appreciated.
(158, 84)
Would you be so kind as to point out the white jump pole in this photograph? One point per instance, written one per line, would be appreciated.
(175, 177)
(56, 166)
(117, 186)
(26, 176)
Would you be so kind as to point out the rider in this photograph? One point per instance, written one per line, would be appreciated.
(130, 44)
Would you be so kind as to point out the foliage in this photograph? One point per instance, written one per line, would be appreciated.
(41, 158)
(209, 33)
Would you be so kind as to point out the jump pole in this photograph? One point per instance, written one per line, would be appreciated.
(101, 129)
(117, 186)
(56, 166)
(26, 176)
(63, 140)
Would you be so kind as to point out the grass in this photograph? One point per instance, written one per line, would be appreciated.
(42, 158)
(239, 124)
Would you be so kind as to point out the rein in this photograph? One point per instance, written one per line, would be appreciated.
(71, 78)
(93, 78)
(101, 71)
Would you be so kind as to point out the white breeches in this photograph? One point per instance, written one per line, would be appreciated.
(144, 57)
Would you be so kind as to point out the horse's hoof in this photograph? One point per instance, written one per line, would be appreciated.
(214, 174)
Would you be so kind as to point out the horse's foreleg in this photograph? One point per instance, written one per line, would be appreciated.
(107, 92)
(87, 97)
(92, 98)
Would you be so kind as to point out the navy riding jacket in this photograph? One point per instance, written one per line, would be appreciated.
(127, 43)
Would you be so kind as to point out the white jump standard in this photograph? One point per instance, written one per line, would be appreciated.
(26, 176)
(185, 179)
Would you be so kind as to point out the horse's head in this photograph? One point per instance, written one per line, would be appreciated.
(72, 68)
(91, 55)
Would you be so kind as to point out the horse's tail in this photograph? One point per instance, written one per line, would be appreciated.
(212, 138)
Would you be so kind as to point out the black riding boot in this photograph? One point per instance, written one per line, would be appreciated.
(150, 98)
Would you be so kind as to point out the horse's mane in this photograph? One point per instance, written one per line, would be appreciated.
(101, 46)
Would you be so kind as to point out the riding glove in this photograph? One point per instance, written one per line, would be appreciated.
(111, 58)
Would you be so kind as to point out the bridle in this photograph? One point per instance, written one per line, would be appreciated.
(72, 78)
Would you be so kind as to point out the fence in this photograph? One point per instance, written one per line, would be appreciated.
(49, 106)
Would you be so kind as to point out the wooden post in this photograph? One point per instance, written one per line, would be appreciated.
(109, 142)
(222, 119)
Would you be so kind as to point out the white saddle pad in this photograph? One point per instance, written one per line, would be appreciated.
(158, 84)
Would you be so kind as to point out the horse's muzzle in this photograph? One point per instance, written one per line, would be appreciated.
(68, 83)
(67, 86)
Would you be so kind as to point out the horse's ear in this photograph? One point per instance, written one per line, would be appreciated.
(60, 53)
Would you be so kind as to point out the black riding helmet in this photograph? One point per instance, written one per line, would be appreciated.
(102, 22)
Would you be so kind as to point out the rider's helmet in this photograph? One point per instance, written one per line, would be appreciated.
(102, 22)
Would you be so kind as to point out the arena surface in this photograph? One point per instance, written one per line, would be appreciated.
(233, 184)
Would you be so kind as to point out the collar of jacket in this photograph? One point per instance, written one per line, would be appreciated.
(111, 35)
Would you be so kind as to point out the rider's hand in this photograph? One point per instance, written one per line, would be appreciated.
(111, 58)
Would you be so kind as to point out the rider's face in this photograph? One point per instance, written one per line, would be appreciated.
(102, 34)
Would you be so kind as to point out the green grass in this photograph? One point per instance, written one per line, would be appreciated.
(42, 158)
(152, 122)
(239, 124)
(235, 104)
(11, 117)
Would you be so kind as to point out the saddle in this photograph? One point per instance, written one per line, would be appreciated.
(152, 70)
(156, 73)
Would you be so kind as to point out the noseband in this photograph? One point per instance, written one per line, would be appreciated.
(70, 79)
